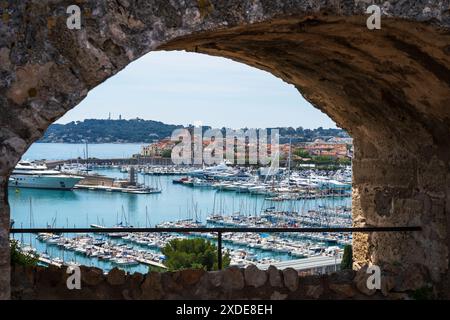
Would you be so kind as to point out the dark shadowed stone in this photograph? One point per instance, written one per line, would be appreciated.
(91, 276)
(116, 277)
(360, 281)
(170, 281)
(191, 276)
(52, 277)
(314, 291)
(399, 296)
(126, 294)
(204, 289)
(342, 276)
(275, 278)
(290, 277)
(134, 282)
(255, 277)
(278, 296)
(411, 279)
(233, 279)
(343, 290)
(151, 287)
(22, 277)
(387, 284)
(215, 278)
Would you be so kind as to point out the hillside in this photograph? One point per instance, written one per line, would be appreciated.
(147, 131)
(108, 131)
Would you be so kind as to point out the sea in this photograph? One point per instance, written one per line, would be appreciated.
(64, 151)
(81, 208)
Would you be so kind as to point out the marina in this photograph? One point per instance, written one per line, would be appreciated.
(176, 206)
(169, 196)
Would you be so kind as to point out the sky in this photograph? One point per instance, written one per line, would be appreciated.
(178, 87)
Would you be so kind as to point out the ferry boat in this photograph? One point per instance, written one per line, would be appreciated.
(31, 175)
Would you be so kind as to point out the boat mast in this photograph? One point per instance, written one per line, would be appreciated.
(289, 159)
(87, 158)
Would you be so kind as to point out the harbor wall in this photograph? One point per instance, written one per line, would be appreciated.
(232, 283)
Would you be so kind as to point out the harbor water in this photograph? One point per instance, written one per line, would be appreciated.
(83, 207)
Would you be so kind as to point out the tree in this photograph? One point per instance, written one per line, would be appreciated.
(323, 159)
(192, 254)
(344, 161)
(302, 153)
(167, 153)
(347, 258)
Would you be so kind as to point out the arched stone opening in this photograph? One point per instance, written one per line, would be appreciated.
(389, 88)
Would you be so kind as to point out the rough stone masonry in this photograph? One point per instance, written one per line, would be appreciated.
(36, 283)
(389, 88)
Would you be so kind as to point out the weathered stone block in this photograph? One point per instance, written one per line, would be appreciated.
(233, 279)
(290, 277)
(255, 277)
(91, 276)
(275, 278)
(278, 296)
(343, 290)
(360, 281)
(116, 277)
(314, 291)
(152, 287)
(191, 277)
(215, 278)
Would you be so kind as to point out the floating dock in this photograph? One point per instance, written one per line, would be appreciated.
(320, 264)
(116, 189)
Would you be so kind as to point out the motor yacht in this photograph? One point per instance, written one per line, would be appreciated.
(32, 175)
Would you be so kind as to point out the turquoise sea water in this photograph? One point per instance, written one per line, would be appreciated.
(80, 208)
(64, 151)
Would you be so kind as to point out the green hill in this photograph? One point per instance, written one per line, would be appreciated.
(147, 131)
(108, 131)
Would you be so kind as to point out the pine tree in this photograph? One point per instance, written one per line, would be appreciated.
(347, 258)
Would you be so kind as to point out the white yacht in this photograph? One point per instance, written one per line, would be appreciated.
(31, 175)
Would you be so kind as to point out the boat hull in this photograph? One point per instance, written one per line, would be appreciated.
(43, 182)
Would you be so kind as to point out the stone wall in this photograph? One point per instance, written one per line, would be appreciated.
(4, 240)
(389, 88)
(402, 190)
(231, 283)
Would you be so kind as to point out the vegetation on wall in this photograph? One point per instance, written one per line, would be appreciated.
(20, 258)
(347, 258)
(192, 254)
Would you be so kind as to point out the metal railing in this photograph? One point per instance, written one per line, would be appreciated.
(218, 230)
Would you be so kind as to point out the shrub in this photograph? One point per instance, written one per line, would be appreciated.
(347, 258)
(20, 258)
(192, 254)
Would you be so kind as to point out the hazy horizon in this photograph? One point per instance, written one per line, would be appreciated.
(185, 88)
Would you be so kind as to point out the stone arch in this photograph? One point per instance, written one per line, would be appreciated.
(389, 88)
